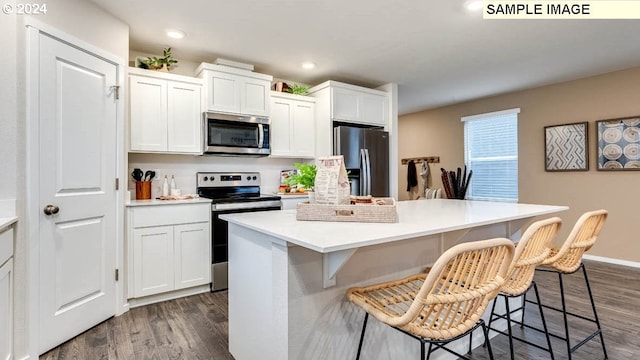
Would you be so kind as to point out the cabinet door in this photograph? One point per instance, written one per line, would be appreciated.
(223, 93)
(281, 112)
(148, 115)
(184, 117)
(254, 97)
(303, 129)
(153, 260)
(192, 249)
(374, 109)
(6, 310)
(345, 105)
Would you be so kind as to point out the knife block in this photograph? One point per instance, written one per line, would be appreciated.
(143, 190)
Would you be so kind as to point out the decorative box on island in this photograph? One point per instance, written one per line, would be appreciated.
(382, 210)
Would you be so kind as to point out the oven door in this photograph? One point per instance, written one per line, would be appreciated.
(220, 243)
(236, 135)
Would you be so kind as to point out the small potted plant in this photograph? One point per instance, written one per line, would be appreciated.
(297, 89)
(305, 177)
(163, 63)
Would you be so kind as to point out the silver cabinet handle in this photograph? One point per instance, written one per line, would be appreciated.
(51, 210)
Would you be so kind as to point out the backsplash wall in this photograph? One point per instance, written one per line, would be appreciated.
(185, 167)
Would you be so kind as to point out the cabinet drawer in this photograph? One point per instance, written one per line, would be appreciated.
(6, 245)
(160, 215)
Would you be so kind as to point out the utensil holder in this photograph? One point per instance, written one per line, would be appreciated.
(143, 190)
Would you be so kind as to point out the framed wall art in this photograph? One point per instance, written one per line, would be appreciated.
(566, 147)
(619, 144)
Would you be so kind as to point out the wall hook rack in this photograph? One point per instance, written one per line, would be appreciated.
(418, 160)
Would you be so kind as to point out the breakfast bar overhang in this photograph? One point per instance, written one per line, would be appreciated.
(287, 278)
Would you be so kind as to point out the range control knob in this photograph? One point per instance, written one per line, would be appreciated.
(248, 178)
(205, 178)
(212, 178)
(255, 178)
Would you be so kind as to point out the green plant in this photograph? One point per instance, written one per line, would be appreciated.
(305, 176)
(155, 63)
(297, 89)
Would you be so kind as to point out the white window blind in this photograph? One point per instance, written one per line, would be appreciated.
(491, 151)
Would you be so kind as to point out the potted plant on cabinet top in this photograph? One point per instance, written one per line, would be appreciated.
(304, 177)
(163, 63)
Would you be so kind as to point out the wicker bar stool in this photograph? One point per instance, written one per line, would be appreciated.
(533, 248)
(568, 260)
(445, 304)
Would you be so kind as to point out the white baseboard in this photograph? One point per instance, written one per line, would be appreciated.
(612, 261)
(135, 302)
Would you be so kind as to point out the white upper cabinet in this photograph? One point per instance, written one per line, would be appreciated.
(165, 112)
(292, 125)
(235, 91)
(363, 106)
(336, 101)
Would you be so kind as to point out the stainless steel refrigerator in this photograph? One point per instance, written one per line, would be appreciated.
(366, 157)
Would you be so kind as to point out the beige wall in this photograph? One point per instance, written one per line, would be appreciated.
(440, 132)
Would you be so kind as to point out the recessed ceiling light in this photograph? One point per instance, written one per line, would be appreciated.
(473, 5)
(308, 65)
(175, 34)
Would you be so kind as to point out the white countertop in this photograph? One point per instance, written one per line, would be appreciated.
(7, 221)
(153, 202)
(416, 218)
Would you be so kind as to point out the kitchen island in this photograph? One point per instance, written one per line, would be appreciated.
(287, 278)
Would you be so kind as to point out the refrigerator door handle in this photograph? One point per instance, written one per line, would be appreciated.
(363, 172)
(368, 164)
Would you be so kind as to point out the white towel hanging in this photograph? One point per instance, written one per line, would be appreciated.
(424, 173)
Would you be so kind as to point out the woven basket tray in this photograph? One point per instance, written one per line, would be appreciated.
(357, 213)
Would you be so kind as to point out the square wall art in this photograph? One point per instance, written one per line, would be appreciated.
(566, 147)
(619, 144)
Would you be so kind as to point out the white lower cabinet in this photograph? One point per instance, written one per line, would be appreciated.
(6, 293)
(170, 248)
(189, 242)
(153, 258)
(6, 310)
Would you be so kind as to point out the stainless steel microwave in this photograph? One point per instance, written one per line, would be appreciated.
(236, 135)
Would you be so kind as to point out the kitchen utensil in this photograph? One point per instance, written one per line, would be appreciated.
(153, 174)
(137, 174)
(147, 175)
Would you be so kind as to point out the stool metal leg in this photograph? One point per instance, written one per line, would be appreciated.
(485, 331)
(544, 322)
(595, 314)
(364, 327)
(506, 305)
(493, 309)
(564, 315)
(524, 305)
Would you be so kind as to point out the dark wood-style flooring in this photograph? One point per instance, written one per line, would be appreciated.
(195, 327)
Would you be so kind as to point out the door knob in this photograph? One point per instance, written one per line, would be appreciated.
(51, 210)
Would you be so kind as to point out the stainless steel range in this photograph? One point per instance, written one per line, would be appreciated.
(236, 192)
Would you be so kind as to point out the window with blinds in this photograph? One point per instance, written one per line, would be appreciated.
(491, 151)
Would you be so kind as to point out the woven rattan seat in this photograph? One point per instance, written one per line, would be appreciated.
(445, 303)
(567, 260)
(533, 248)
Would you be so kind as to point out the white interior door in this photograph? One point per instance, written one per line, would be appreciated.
(77, 170)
